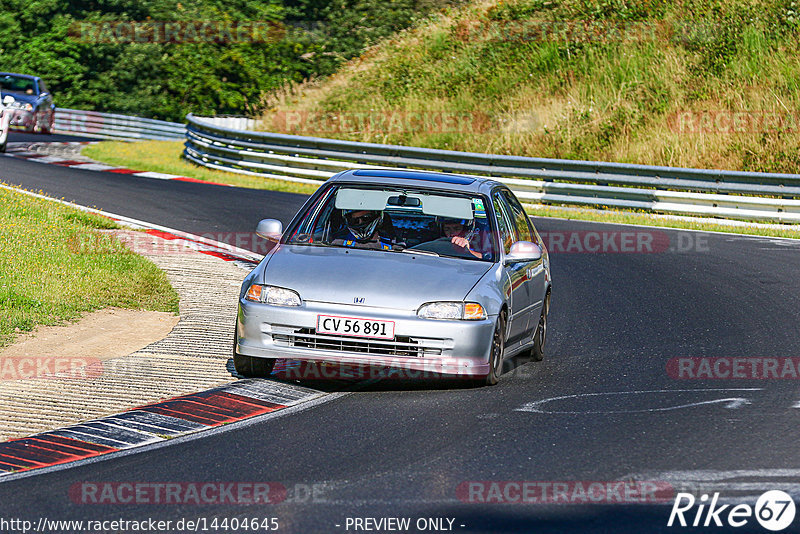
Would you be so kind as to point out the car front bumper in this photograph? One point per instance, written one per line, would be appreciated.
(425, 345)
(21, 118)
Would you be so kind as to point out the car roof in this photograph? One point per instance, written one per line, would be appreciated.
(463, 183)
(29, 76)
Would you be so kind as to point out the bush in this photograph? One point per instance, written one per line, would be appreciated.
(167, 80)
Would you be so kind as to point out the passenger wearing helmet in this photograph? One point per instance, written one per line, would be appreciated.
(459, 232)
(364, 230)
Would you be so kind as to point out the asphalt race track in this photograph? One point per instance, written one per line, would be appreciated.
(607, 403)
(18, 136)
(199, 208)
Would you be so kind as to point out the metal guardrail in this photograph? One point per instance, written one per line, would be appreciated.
(114, 126)
(234, 123)
(715, 193)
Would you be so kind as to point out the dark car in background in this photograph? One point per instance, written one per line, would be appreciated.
(32, 109)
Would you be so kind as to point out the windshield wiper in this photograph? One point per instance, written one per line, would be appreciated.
(310, 243)
(418, 251)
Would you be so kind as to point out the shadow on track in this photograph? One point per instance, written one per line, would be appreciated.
(333, 377)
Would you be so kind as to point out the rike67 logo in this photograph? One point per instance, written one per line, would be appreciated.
(774, 510)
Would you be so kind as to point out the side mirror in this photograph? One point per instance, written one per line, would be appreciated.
(524, 251)
(270, 229)
(8, 99)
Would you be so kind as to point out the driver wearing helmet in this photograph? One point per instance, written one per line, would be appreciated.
(364, 229)
(460, 233)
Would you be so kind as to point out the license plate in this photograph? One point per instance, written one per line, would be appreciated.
(355, 327)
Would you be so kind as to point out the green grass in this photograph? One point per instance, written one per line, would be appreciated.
(696, 83)
(612, 87)
(55, 266)
(165, 156)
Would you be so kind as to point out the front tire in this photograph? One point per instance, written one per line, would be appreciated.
(498, 349)
(540, 336)
(251, 367)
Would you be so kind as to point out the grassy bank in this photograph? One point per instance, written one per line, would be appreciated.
(54, 267)
(165, 156)
(696, 83)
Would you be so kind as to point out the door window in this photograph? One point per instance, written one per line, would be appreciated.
(519, 216)
(508, 234)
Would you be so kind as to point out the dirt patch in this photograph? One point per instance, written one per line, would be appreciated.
(101, 335)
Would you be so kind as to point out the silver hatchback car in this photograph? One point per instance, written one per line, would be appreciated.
(436, 273)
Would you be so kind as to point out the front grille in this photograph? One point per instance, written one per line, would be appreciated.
(399, 346)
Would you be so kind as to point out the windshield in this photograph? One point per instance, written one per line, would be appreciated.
(17, 84)
(398, 220)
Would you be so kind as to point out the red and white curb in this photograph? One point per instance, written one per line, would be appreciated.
(152, 423)
(21, 151)
(164, 420)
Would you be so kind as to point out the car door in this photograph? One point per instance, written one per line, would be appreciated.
(516, 273)
(535, 271)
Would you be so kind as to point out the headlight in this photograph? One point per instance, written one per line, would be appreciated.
(276, 296)
(470, 311)
(20, 105)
